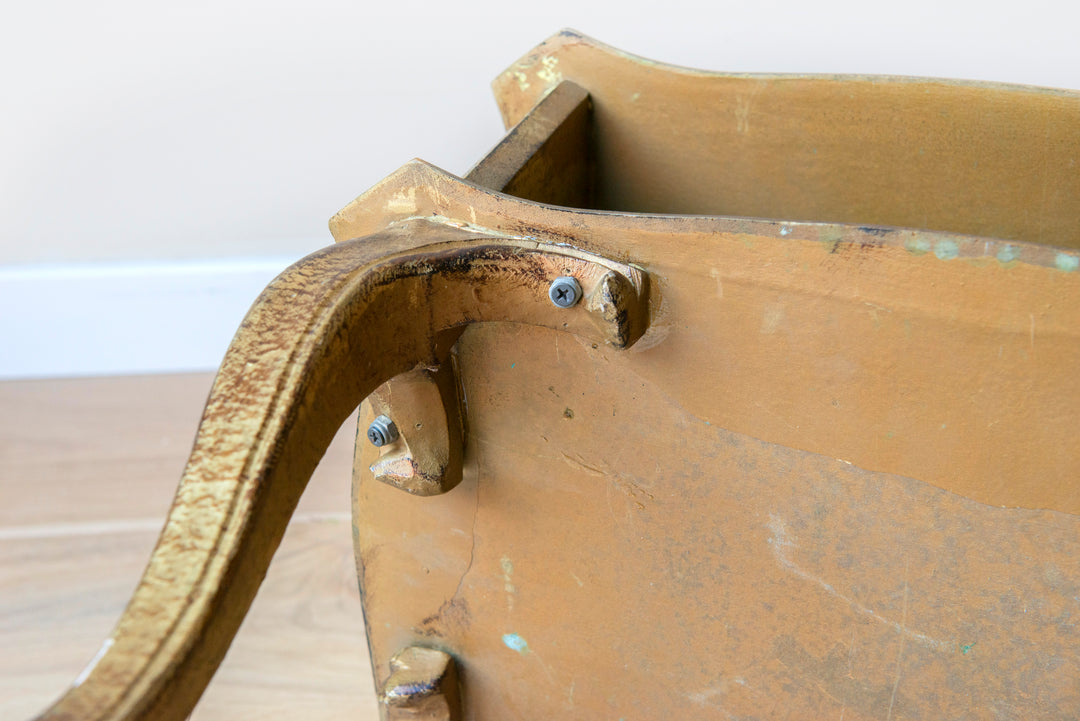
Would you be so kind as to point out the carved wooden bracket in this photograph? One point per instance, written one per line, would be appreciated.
(425, 458)
(423, 686)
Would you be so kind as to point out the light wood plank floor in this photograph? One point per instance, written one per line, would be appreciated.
(87, 472)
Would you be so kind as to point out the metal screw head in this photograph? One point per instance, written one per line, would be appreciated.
(382, 431)
(564, 291)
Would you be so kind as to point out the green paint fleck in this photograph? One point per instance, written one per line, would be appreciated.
(946, 249)
(1008, 254)
(515, 642)
(1067, 262)
(964, 649)
(918, 246)
(889, 435)
(513, 364)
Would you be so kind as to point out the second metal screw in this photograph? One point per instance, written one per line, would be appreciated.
(382, 431)
(564, 291)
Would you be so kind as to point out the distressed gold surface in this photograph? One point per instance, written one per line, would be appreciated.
(424, 405)
(836, 478)
(301, 361)
(423, 686)
(975, 158)
(935, 356)
(610, 554)
(547, 156)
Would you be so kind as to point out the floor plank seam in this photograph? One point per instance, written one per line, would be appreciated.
(134, 525)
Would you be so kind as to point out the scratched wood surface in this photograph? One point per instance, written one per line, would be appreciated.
(835, 478)
(88, 468)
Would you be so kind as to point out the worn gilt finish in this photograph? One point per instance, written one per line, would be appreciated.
(837, 475)
(807, 451)
(301, 361)
(426, 458)
(423, 686)
(982, 159)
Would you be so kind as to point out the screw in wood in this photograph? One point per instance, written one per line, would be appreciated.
(382, 431)
(564, 291)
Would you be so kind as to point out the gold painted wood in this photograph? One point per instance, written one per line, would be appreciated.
(322, 337)
(547, 156)
(982, 159)
(794, 481)
(425, 408)
(423, 686)
(854, 342)
(835, 478)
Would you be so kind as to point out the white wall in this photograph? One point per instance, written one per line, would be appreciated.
(147, 132)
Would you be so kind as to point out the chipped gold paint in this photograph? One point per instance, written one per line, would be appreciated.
(301, 361)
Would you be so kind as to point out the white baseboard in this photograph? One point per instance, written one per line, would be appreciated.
(125, 318)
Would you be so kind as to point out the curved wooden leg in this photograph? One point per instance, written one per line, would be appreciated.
(319, 339)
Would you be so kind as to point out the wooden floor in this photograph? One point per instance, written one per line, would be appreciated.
(87, 472)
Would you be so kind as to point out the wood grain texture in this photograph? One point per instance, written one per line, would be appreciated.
(88, 468)
(101, 450)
